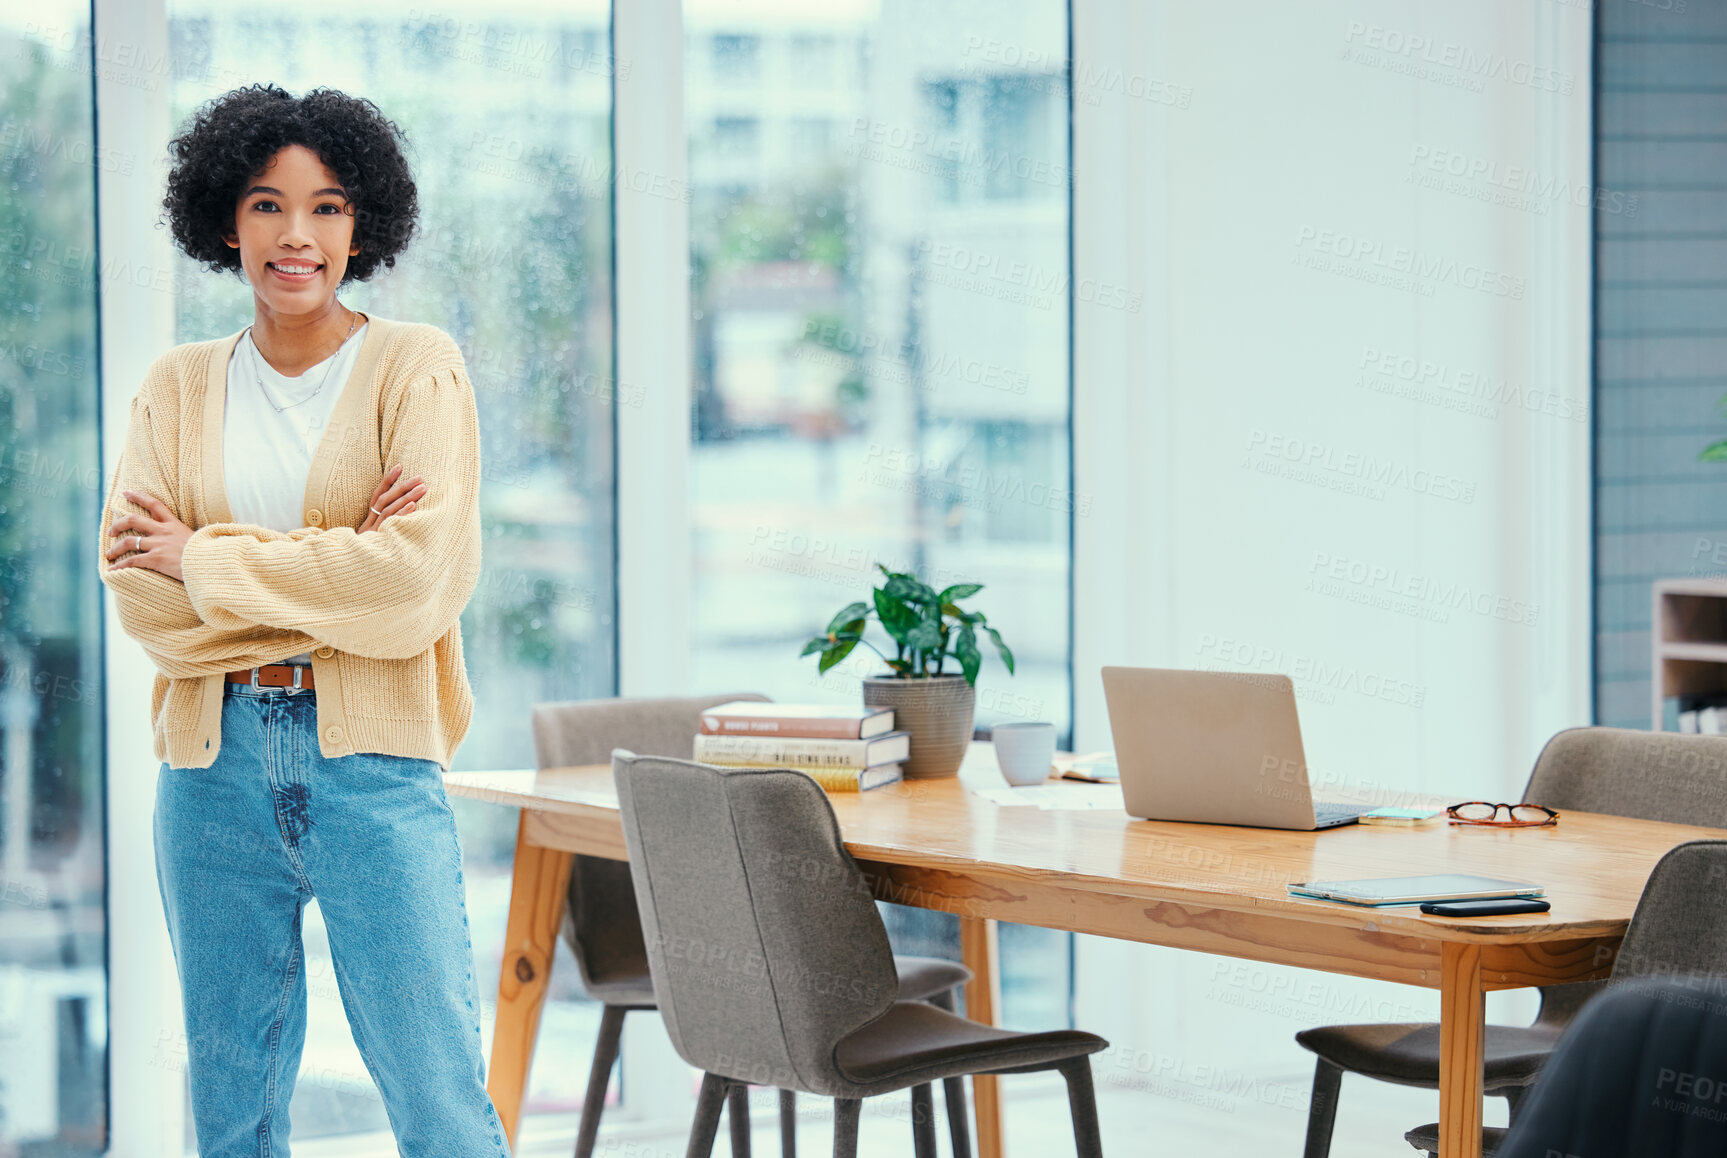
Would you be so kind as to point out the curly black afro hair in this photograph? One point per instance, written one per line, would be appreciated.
(231, 138)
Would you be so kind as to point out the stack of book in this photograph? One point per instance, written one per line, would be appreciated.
(843, 749)
(1703, 713)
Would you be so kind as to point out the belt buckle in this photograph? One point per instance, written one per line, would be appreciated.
(256, 686)
(299, 669)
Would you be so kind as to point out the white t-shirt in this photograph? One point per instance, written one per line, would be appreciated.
(266, 455)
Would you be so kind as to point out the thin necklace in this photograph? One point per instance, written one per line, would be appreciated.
(330, 364)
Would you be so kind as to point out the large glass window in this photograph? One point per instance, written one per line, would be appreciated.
(508, 113)
(881, 349)
(1660, 217)
(53, 983)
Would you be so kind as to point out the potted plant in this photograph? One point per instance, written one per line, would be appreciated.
(927, 627)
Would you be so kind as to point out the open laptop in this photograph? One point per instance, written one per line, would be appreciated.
(1215, 747)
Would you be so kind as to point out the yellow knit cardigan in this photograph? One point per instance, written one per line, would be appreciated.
(380, 612)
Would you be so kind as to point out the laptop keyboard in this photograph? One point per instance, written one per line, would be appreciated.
(1331, 815)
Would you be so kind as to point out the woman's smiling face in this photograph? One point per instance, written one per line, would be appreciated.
(294, 228)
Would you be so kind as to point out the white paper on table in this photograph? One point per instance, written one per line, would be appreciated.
(1064, 797)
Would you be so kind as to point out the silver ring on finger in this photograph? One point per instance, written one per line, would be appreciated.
(137, 543)
(376, 511)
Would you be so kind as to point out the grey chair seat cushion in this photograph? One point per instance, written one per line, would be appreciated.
(1409, 1054)
(913, 1043)
(1427, 1138)
(919, 978)
(634, 992)
(924, 977)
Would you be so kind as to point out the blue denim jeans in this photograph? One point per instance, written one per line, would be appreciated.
(241, 846)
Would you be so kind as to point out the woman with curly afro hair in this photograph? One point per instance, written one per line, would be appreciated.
(292, 533)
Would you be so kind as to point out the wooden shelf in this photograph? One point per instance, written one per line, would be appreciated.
(1689, 640)
(1702, 652)
(1714, 587)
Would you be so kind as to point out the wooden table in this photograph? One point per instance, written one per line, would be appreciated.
(1212, 888)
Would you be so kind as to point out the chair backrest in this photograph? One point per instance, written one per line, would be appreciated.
(1681, 779)
(1639, 1072)
(601, 926)
(1680, 924)
(765, 945)
(1663, 776)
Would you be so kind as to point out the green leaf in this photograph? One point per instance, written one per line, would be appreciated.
(965, 650)
(925, 636)
(849, 614)
(962, 616)
(910, 589)
(1714, 452)
(895, 616)
(834, 654)
(819, 643)
(960, 591)
(1006, 655)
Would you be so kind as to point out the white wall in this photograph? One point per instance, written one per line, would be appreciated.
(1240, 146)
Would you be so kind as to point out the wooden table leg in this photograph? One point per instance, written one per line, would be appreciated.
(1462, 1037)
(538, 886)
(979, 950)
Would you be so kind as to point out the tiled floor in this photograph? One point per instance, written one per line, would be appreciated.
(1166, 1122)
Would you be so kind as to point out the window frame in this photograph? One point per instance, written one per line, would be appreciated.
(652, 346)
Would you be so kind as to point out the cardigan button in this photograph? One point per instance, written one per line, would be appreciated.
(325, 652)
(333, 734)
(314, 517)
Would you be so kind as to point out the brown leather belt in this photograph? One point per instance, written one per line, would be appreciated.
(274, 675)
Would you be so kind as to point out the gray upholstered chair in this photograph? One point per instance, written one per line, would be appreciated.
(1679, 929)
(600, 922)
(772, 963)
(1618, 771)
(1636, 1074)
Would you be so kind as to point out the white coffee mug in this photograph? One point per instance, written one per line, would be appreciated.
(1024, 752)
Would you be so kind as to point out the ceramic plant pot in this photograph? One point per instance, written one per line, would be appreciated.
(938, 714)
